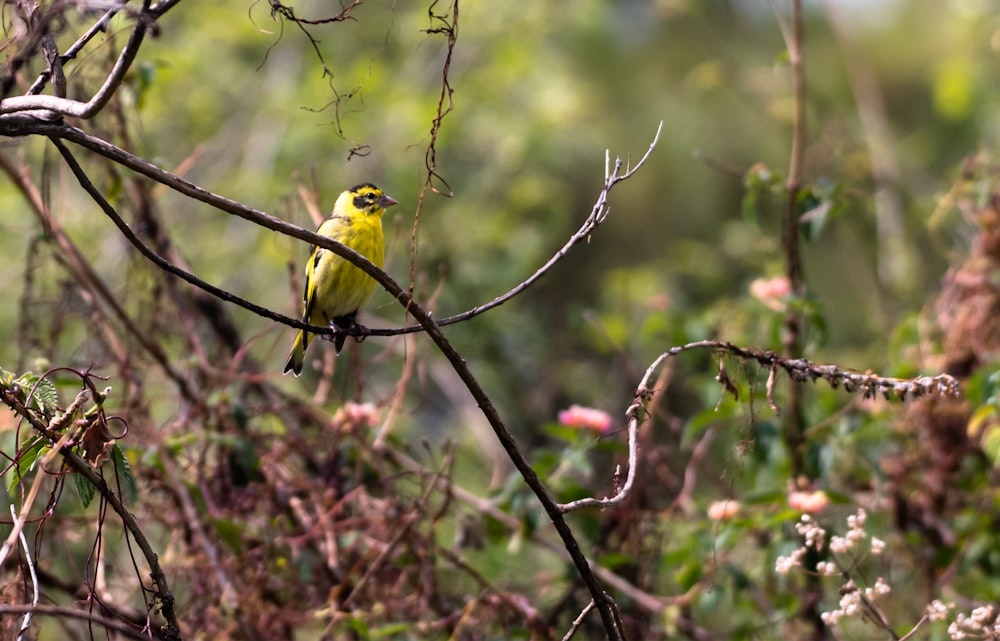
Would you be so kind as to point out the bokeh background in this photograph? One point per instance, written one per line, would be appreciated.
(902, 102)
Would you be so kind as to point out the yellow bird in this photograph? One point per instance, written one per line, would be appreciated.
(335, 288)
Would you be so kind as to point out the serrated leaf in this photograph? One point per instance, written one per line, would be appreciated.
(84, 488)
(45, 398)
(125, 472)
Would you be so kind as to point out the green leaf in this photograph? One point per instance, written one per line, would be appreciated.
(749, 206)
(84, 488)
(46, 398)
(25, 462)
(358, 626)
(125, 472)
(741, 581)
(571, 435)
(390, 630)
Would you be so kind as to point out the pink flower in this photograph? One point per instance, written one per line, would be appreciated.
(586, 417)
(808, 502)
(723, 510)
(773, 292)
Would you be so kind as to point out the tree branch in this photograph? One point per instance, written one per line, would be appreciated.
(54, 107)
(26, 126)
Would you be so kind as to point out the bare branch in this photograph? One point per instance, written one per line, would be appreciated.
(598, 214)
(602, 600)
(578, 621)
(799, 370)
(28, 126)
(121, 627)
(52, 107)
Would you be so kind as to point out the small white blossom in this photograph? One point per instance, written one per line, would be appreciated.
(881, 588)
(850, 603)
(937, 610)
(980, 623)
(982, 614)
(831, 618)
(811, 531)
(878, 546)
(840, 545)
(784, 564)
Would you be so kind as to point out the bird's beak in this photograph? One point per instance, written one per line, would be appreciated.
(387, 201)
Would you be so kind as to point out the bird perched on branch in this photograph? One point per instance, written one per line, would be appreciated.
(335, 288)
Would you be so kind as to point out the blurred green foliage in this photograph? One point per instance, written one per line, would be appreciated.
(540, 94)
(241, 103)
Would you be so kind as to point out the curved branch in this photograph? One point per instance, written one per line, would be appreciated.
(599, 213)
(51, 107)
(56, 131)
(798, 369)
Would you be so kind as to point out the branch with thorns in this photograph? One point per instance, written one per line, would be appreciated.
(799, 370)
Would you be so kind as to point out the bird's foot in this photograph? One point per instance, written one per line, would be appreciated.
(363, 332)
(338, 330)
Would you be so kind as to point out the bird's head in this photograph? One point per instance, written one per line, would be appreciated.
(370, 199)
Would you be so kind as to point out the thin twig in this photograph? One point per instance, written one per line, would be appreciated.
(31, 570)
(794, 419)
(27, 126)
(444, 106)
(578, 621)
(632, 416)
(408, 521)
(228, 596)
(36, 485)
(121, 627)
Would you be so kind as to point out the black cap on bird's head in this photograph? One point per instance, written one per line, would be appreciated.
(366, 195)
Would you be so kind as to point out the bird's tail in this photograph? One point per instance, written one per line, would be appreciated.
(297, 357)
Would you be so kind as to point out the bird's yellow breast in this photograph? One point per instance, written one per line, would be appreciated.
(339, 287)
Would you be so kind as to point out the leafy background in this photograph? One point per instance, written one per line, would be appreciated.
(239, 103)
